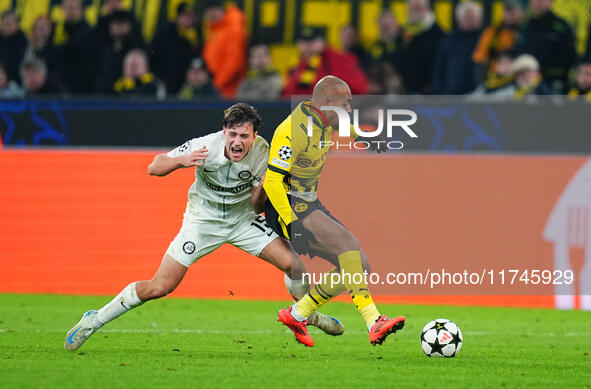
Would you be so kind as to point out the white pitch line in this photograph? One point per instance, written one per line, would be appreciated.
(268, 332)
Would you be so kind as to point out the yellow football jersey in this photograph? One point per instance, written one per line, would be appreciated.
(297, 157)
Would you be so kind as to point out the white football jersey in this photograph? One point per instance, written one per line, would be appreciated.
(222, 189)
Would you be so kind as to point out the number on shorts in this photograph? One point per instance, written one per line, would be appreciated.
(262, 225)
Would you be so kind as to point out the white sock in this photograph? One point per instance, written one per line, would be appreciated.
(124, 301)
(296, 314)
(296, 288)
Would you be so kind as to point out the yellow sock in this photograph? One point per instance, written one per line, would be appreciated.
(370, 314)
(306, 306)
(320, 294)
(354, 281)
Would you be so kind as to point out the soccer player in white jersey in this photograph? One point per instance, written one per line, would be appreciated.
(223, 207)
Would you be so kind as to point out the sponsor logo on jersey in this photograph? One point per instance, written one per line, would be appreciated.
(280, 163)
(236, 189)
(306, 162)
(189, 247)
(300, 207)
(245, 175)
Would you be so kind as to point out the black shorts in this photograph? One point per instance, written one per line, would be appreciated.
(302, 209)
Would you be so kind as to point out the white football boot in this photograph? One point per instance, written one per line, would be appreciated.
(87, 326)
(327, 324)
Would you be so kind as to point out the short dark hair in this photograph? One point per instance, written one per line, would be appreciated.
(242, 113)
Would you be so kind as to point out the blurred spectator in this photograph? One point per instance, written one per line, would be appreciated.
(8, 88)
(550, 39)
(173, 47)
(109, 7)
(35, 80)
(351, 44)
(316, 60)
(385, 80)
(528, 79)
(500, 81)
(384, 49)
(417, 49)
(39, 45)
(225, 45)
(587, 53)
(70, 40)
(12, 44)
(136, 79)
(110, 52)
(582, 85)
(262, 82)
(198, 82)
(455, 71)
(496, 40)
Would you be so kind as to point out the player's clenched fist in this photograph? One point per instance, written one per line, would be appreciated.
(195, 158)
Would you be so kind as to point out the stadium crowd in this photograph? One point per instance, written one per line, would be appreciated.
(206, 53)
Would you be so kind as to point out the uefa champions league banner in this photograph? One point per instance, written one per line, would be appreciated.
(447, 124)
(469, 229)
(127, 123)
(425, 185)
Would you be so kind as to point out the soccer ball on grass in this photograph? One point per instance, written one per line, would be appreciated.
(441, 338)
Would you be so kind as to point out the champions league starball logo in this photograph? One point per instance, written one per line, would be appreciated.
(394, 118)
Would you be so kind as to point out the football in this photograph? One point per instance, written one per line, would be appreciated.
(441, 338)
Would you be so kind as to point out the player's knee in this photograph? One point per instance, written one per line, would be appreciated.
(365, 265)
(353, 241)
(285, 266)
(347, 241)
(297, 266)
(159, 290)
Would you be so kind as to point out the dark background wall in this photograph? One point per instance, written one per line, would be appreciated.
(454, 125)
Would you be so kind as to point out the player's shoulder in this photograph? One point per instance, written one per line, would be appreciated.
(217, 136)
(211, 137)
(284, 133)
(210, 140)
(260, 147)
(284, 128)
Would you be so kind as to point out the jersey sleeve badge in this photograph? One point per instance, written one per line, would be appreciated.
(284, 153)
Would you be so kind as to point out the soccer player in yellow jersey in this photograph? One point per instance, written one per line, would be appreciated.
(294, 211)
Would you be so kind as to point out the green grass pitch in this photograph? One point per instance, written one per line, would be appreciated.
(210, 343)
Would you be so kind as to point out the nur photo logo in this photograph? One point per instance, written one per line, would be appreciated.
(364, 139)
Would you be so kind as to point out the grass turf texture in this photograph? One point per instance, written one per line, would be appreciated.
(210, 343)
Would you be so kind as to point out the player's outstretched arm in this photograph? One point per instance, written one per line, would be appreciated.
(163, 164)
